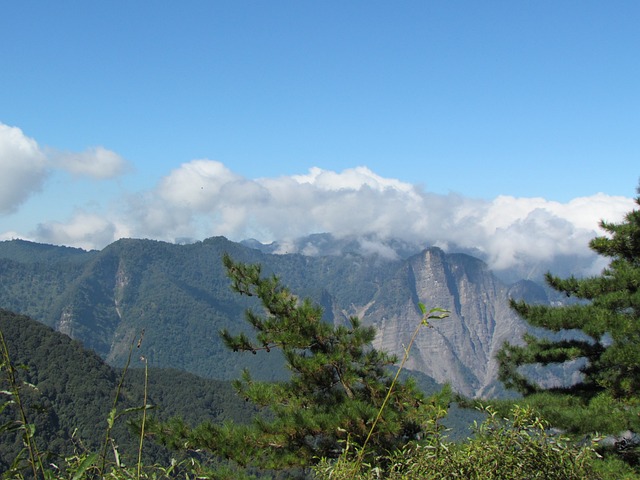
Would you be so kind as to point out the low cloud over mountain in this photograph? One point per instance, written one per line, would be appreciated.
(203, 198)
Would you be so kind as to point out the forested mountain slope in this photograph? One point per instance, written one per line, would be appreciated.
(180, 296)
(68, 392)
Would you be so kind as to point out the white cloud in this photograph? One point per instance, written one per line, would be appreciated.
(195, 184)
(23, 168)
(12, 235)
(84, 230)
(350, 179)
(370, 247)
(526, 230)
(94, 162)
(203, 198)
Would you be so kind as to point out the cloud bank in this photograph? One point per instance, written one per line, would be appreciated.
(203, 198)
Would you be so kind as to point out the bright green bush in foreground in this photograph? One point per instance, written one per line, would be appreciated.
(519, 447)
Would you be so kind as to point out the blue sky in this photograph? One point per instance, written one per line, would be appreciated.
(466, 102)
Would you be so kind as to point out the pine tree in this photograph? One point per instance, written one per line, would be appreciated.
(337, 385)
(607, 313)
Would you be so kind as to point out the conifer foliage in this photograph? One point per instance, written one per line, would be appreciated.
(607, 312)
(338, 383)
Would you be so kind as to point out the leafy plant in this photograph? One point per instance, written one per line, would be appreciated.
(517, 447)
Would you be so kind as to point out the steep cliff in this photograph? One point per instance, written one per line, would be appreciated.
(461, 348)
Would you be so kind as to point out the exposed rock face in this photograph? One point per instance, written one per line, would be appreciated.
(461, 348)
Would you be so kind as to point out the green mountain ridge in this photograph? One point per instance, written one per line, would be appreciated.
(180, 296)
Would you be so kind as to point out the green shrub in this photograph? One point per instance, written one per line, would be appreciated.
(519, 447)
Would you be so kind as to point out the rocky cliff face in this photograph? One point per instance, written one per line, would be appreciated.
(461, 348)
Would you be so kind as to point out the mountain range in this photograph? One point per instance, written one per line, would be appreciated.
(177, 297)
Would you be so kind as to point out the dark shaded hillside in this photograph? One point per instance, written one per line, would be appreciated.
(72, 388)
(72, 391)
